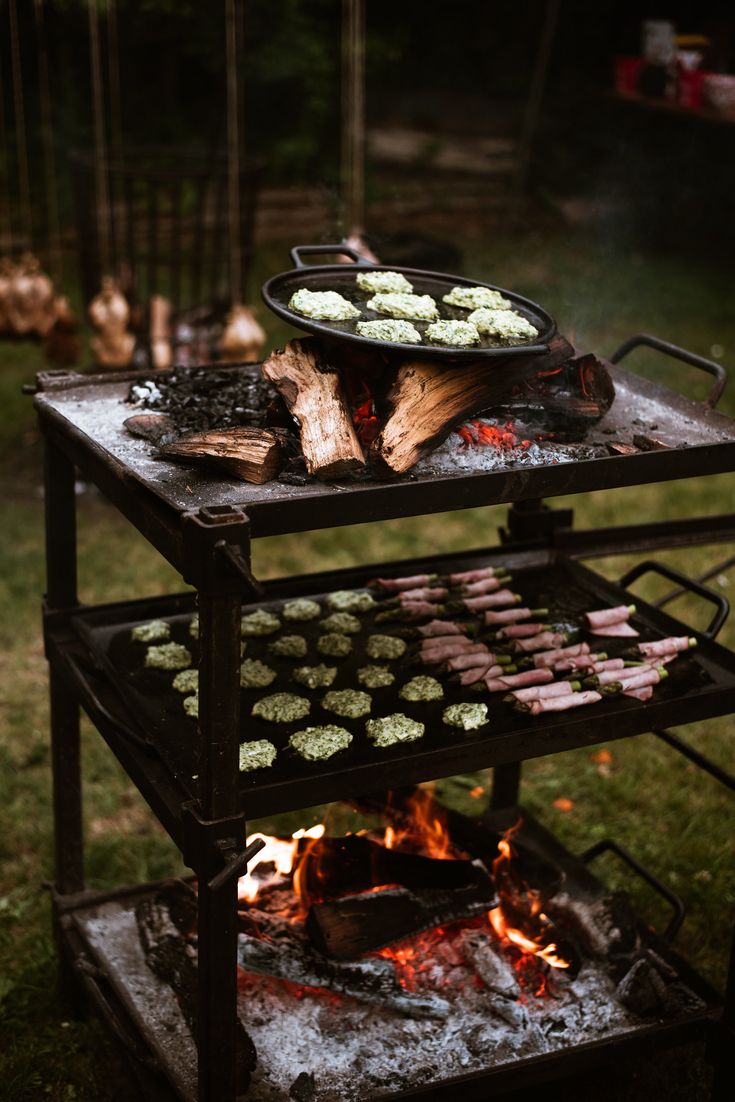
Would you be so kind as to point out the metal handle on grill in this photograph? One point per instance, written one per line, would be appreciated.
(690, 584)
(677, 353)
(82, 674)
(608, 845)
(326, 250)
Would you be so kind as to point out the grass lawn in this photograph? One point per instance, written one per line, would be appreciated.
(677, 820)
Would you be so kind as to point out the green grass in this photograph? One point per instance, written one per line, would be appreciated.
(677, 820)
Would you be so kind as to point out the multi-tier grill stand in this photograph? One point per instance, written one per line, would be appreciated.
(203, 527)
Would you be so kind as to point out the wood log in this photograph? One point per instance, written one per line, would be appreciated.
(253, 454)
(153, 427)
(346, 928)
(428, 399)
(372, 980)
(312, 389)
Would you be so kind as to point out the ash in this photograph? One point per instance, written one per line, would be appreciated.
(200, 399)
(456, 455)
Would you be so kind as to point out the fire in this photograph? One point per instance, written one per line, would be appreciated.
(425, 831)
(478, 433)
(280, 854)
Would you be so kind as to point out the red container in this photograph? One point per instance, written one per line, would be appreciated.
(690, 87)
(626, 74)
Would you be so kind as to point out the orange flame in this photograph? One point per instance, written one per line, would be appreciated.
(280, 853)
(425, 831)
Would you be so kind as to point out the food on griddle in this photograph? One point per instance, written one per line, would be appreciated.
(517, 680)
(389, 730)
(393, 329)
(498, 599)
(458, 334)
(281, 708)
(385, 647)
(579, 662)
(315, 677)
(604, 617)
(422, 307)
(258, 754)
(485, 585)
(673, 644)
(256, 675)
(473, 298)
(155, 631)
(191, 705)
(343, 622)
(350, 600)
(168, 656)
(480, 572)
(320, 743)
(633, 678)
(289, 646)
(334, 645)
(505, 325)
(194, 626)
(421, 689)
(439, 628)
(545, 640)
(563, 703)
(186, 681)
(322, 305)
(300, 609)
(616, 631)
(411, 610)
(639, 694)
(475, 658)
(472, 674)
(350, 703)
(396, 585)
(440, 647)
(375, 677)
(259, 622)
(384, 283)
(467, 717)
(420, 593)
(548, 658)
(513, 615)
(540, 692)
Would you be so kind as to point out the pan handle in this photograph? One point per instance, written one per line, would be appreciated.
(677, 353)
(324, 250)
(690, 584)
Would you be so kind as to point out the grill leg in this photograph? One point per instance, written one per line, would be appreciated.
(722, 1046)
(506, 785)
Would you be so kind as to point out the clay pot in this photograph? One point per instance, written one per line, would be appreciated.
(243, 337)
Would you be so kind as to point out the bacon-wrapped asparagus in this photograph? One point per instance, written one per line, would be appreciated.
(627, 679)
(499, 599)
(545, 640)
(444, 627)
(616, 631)
(517, 680)
(478, 673)
(521, 631)
(563, 703)
(546, 659)
(579, 662)
(606, 617)
(397, 585)
(433, 593)
(513, 615)
(539, 692)
(644, 693)
(447, 645)
(674, 644)
(464, 577)
(471, 659)
(413, 610)
(485, 585)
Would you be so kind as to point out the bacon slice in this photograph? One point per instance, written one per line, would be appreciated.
(549, 657)
(632, 678)
(396, 585)
(621, 630)
(564, 703)
(450, 644)
(416, 610)
(579, 662)
(463, 658)
(478, 673)
(540, 692)
(426, 593)
(517, 680)
(605, 617)
(440, 627)
(508, 616)
(471, 658)
(674, 644)
(465, 576)
(485, 585)
(520, 631)
(546, 640)
(491, 600)
(644, 693)
(605, 664)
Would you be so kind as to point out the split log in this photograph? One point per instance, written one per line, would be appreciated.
(154, 427)
(428, 399)
(255, 455)
(346, 928)
(371, 981)
(312, 389)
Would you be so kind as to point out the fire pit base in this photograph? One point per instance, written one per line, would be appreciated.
(328, 1047)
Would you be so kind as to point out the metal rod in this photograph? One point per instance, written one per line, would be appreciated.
(697, 757)
(713, 571)
(217, 978)
(67, 787)
(536, 92)
(61, 529)
(506, 785)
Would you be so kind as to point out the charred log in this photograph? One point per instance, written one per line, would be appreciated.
(154, 427)
(255, 455)
(313, 391)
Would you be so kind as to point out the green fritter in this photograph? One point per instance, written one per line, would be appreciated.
(421, 307)
(375, 677)
(315, 677)
(389, 329)
(186, 681)
(385, 646)
(472, 298)
(350, 703)
(301, 609)
(322, 305)
(258, 754)
(384, 283)
(422, 688)
(389, 730)
(320, 743)
(281, 708)
(259, 622)
(256, 675)
(334, 645)
(458, 334)
(350, 600)
(289, 646)
(191, 706)
(155, 631)
(168, 656)
(468, 717)
(503, 324)
(343, 622)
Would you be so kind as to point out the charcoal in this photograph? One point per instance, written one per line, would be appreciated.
(642, 990)
(200, 399)
(493, 969)
(303, 1088)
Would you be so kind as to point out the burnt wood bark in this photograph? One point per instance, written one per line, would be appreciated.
(253, 454)
(427, 399)
(345, 928)
(372, 980)
(312, 389)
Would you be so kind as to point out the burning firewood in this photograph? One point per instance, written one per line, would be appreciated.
(255, 455)
(428, 399)
(313, 392)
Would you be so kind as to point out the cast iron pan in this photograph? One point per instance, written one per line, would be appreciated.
(278, 290)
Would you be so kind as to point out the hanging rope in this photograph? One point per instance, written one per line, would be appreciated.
(103, 196)
(233, 151)
(353, 114)
(24, 181)
(7, 225)
(49, 158)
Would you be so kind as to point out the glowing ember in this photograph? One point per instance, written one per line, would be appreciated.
(273, 862)
(479, 433)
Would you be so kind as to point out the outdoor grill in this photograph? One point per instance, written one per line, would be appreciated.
(478, 1021)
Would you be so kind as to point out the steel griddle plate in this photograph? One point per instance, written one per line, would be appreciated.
(701, 684)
